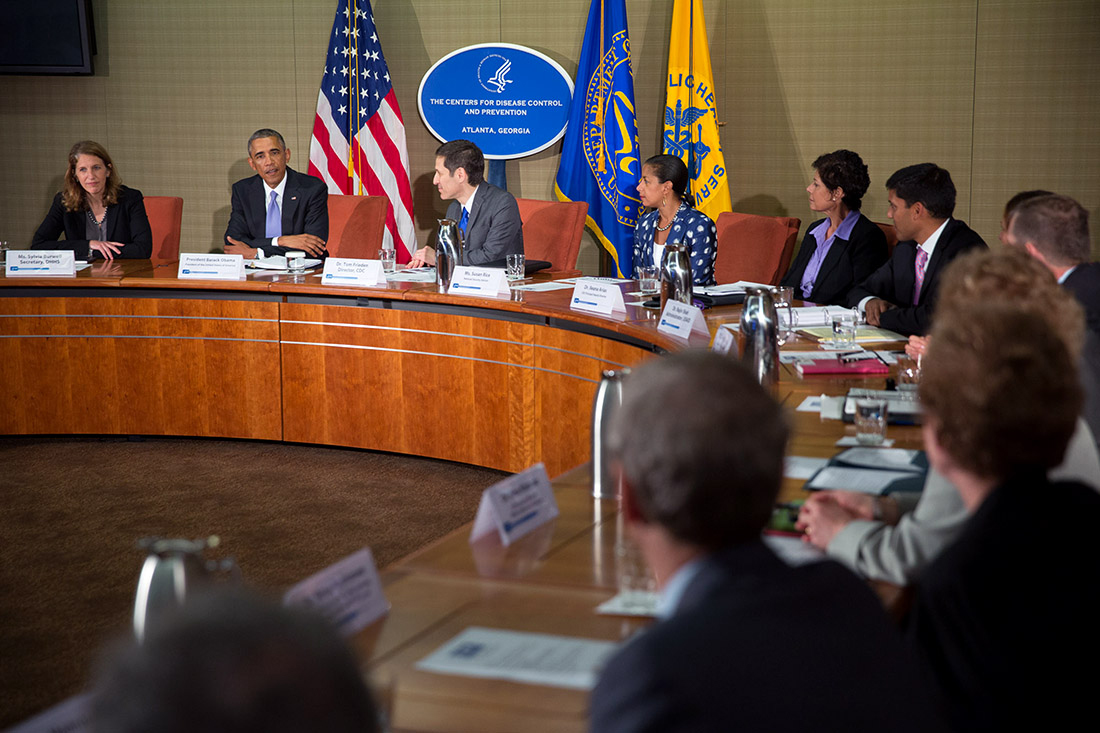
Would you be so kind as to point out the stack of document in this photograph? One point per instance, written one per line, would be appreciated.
(729, 288)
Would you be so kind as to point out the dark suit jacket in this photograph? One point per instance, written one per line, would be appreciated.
(1084, 283)
(847, 264)
(127, 224)
(494, 229)
(305, 210)
(894, 281)
(757, 645)
(1002, 612)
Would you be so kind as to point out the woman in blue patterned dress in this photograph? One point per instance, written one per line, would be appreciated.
(663, 188)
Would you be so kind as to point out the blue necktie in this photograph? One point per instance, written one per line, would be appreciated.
(463, 222)
(274, 218)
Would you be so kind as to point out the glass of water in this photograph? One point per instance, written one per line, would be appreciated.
(515, 266)
(844, 329)
(388, 255)
(647, 279)
(870, 420)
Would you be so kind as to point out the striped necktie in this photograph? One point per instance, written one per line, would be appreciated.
(918, 273)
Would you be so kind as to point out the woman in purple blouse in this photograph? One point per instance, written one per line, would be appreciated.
(664, 189)
(839, 251)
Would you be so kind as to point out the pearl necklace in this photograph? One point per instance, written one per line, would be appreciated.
(668, 226)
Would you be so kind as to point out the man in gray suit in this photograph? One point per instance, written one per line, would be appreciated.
(488, 216)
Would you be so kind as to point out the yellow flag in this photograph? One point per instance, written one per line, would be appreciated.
(691, 121)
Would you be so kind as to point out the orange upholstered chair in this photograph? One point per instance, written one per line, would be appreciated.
(754, 248)
(891, 236)
(166, 220)
(552, 231)
(356, 225)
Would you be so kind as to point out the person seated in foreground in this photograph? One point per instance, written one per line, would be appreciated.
(894, 537)
(1055, 231)
(1002, 612)
(278, 210)
(901, 294)
(228, 662)
(663, 188)
(841, 250)
(99, 216)
(487, 216)
(701, 448)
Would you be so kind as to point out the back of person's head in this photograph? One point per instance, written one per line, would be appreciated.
(844, 169)
(673, 170)
(927, 183)
(465, 155)
(701, 445)
(1000, 390)
(1014, 203)
(233, 662)
(1011, 277)
(1058, 226)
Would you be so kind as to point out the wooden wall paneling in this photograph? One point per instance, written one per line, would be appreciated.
(139, 366)
(570, 367)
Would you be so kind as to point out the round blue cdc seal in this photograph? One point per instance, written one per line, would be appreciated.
(510, 101)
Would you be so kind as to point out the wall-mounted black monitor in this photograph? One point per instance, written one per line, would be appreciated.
(46, 37)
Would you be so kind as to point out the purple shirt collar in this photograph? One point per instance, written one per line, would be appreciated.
(813, 267)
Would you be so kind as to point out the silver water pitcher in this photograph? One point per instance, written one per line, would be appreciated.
(609, 397)
(448, 252)
(760, 336)
(173, 569)
(675, 274)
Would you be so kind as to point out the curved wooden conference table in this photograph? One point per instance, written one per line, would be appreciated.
(129, 348)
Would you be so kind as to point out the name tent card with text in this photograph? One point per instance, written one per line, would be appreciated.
(347, 593)
(516, 506)
(680, 320)
(35, 263)
(486, 281)
(349, 271)
(195, 266)
(725, 341)
(596, 296)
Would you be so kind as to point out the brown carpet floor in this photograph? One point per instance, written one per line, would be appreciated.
(72, 510)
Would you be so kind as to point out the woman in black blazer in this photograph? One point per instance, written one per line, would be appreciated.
(95, 211)
(840, 251)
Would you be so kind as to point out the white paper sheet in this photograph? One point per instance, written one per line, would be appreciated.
(898, 459)
(793, 550)
(868, 481)
(851, 441)
(639, 603)
(802, 467)
(415, 275)
(538, 659)
(545, 287)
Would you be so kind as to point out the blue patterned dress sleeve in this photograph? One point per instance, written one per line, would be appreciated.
(695, 229)
(691, 227)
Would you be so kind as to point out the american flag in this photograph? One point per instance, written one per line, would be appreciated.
(357, 104)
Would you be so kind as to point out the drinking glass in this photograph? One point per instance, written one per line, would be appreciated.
(3, 252)
(844, 329)
(388, 255)
(908, 376)
(647, 279)
(296, 262)
(870, 420)
(515, 266)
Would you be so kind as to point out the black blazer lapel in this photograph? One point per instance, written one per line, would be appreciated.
(291, 196)
(943, 247)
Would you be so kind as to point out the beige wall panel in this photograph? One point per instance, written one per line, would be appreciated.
(1001, 93)
(1037, 106)
(890, 80)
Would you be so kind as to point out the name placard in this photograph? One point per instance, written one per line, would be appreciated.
(680, 320)
(38, 262)
(349, 271)
(71, 716)
(195, 266)
(485, 281)
(347, 593)
(515, 506)
(725, 341)
(597, 296)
